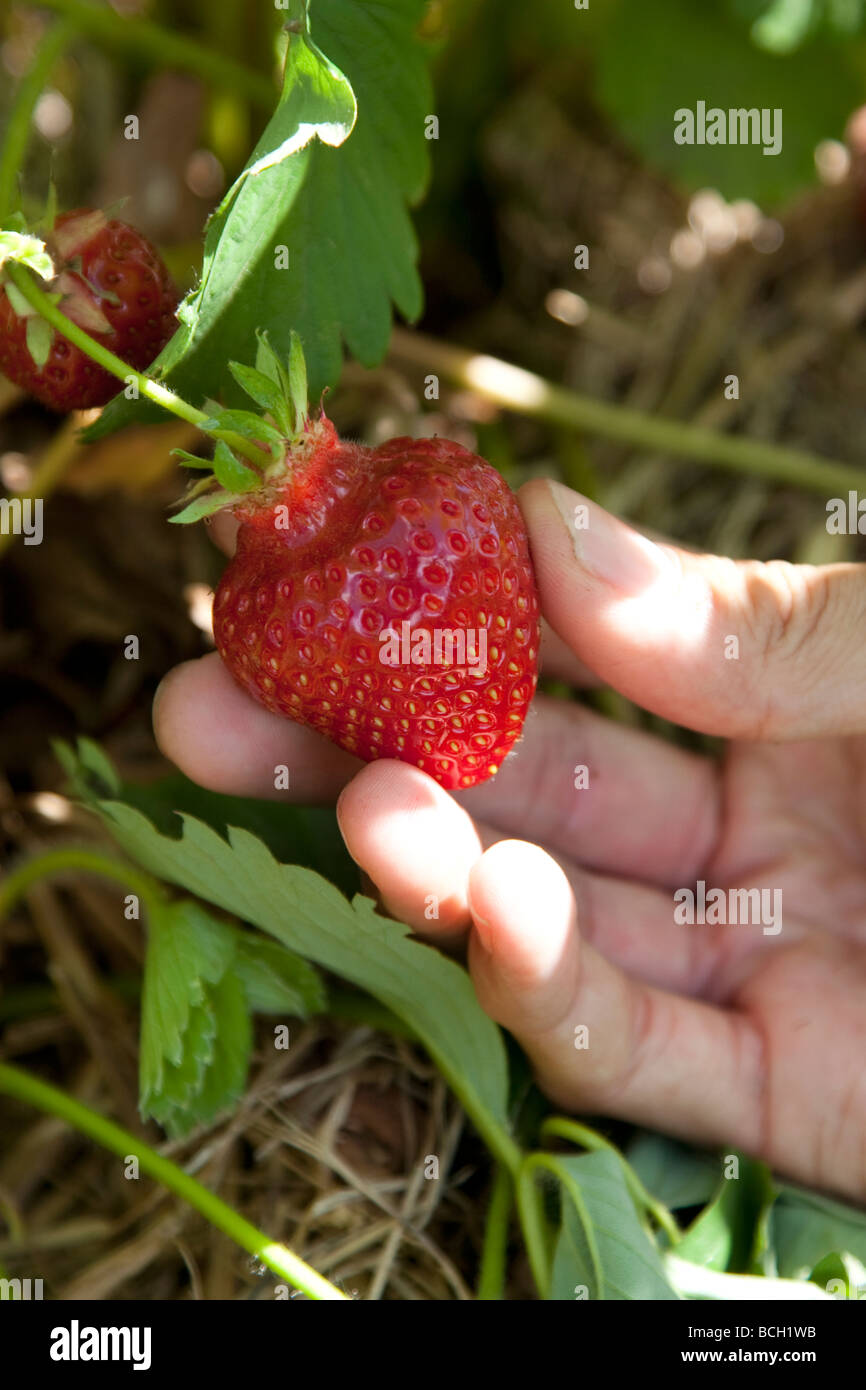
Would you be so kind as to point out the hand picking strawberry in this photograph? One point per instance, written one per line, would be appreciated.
(566, 899)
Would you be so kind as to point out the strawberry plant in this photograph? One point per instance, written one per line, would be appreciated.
(349, 557)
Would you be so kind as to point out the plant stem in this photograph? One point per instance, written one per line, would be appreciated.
(562, 1128)
(18, 124)
(528, 394)
(141, 38)
(87, 861)
(153, 390)
(536, 1233)
(526, 1180)
(111, 1136)
(491, 1275)
(495, 1135)
(694, 1281)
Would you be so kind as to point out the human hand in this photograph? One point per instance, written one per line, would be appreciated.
(742, 1035)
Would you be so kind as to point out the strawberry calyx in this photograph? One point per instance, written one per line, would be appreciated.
(76, 232)
(19, 245)
(283, 432)
(56, 260)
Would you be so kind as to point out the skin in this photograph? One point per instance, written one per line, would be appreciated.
(722, 1035)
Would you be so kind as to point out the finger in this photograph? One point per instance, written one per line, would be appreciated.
(645, 1055)
(557, 659)
(610, 797)
(742, 649)
(419, 848)
(415, 843)
(648, 810)
(211, 729)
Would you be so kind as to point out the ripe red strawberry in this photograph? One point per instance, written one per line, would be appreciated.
(115, 286)
(346, 543)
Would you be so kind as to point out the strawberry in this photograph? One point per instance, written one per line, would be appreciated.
(112, 283)
(383, 596)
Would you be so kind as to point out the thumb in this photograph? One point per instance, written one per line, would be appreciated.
(738, 648)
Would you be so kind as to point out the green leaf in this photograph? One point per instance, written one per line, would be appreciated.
(305, 835)
(269, 364)
(39, 336)
(676, 1175)
(230, 473)
(843, 1272)
(225, 1078)
(728, 1233)
(206, 506)
(265, 392)
(632, 1267)
(340, 213)
(806, 1227)
(187, 949)
(21, 307)
(192, 460)
(89, 769)
(195, 1030)
(298, 381)
(307, 914)
(245, 423)
(173, 1105)
(643, 78)
(277, 981)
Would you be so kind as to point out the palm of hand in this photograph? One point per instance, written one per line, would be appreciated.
(793, 818)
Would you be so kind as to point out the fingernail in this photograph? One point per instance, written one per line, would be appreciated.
(609, 549)
(483, 930)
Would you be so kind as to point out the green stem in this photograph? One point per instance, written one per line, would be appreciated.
(57, 861)
(536, 1233)
(560, 1127)
(527, 394)
(494, 1134)
(18, 124)
(277, 1257)
(140, 38)
(491, 1275)
(153, 390)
